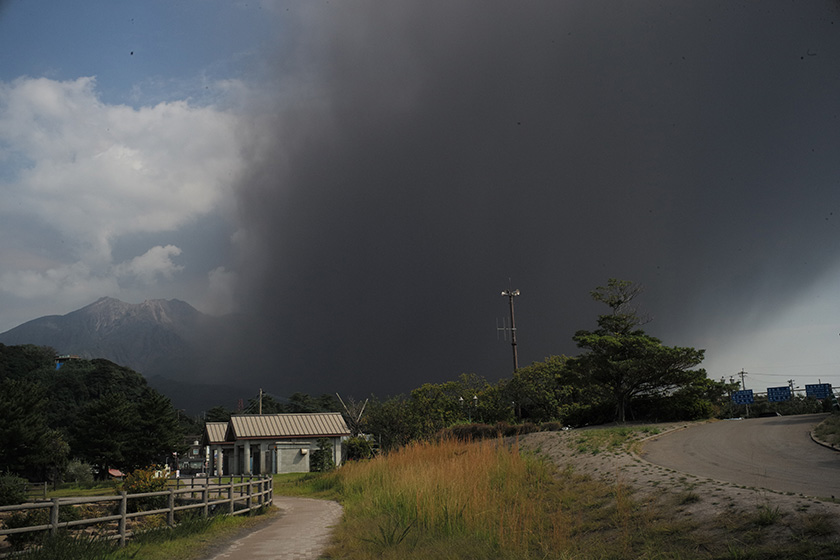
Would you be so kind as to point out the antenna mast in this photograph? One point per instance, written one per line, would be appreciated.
(510, 295)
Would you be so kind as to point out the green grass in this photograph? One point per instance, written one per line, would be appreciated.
(76, 491)
(598, 440)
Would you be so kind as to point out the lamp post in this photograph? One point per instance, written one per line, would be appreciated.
(512, 294)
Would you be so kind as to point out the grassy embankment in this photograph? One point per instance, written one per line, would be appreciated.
(453, 500)
(828, 431)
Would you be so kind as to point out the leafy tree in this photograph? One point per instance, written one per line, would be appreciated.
(79, 472)
(218, 414)
(623, 361)
(55, 458)
(92, 409)
(390, 423)
(539, 391)
(303, 403)
(269, 405)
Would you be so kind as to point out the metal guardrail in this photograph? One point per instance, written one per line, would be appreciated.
(240, 497)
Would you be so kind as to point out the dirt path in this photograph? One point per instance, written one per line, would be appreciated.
(301, 532)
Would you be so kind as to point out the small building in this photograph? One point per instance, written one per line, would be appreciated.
(64, 358)
(272, 443)
(219, 453)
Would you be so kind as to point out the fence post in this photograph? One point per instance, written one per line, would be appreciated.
(205, 496)
(45, 490)
(170, 516)
(123, 513)
(250, 491)
(54, 517)
(231, 497)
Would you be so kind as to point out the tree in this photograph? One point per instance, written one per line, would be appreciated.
(156, 434)
(540, 390)
(24, 435)
(102, 431)
(322, 458)
(218, 414)
(623, 361)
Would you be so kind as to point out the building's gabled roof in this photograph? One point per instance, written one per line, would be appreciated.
(214, 432)
(284, 426)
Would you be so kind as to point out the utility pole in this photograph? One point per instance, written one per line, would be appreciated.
(260, 400)
(512, 294)
(743, 384)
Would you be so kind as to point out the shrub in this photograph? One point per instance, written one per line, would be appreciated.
(358, 448)
(322, 458)
(141, 481)
(79, 472)
(12, 489)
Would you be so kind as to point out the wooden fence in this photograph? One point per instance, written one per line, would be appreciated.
(202, 494)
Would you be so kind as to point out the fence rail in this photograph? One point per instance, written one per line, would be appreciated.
(204, 493)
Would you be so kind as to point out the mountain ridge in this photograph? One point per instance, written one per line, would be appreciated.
(150, 337)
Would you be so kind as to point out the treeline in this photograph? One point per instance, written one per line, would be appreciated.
(297, 403)
(93, 411)
(622, 373)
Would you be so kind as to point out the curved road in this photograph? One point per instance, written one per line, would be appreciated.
(774, 453)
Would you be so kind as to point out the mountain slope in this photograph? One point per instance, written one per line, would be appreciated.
(153, 337)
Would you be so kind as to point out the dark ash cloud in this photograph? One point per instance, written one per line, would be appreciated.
(426, 152)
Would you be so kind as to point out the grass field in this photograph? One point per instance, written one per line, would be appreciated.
(453, 500)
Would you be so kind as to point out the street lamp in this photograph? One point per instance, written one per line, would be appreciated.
(475, 403)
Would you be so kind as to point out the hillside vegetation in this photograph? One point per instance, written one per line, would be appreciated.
(94, 411)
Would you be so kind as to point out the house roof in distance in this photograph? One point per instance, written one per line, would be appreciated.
(285, 426)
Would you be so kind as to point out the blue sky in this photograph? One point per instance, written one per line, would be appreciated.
(363, 179)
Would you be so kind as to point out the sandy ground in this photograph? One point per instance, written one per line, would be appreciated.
(710, 504)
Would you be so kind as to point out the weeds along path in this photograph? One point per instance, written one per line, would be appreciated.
(302, 531)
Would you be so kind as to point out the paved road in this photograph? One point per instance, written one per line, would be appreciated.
(774, 453)
(301, 532)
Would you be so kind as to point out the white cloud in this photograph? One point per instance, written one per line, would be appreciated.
(155, 262)
(95, 172)
(84, 174)
(75, 282)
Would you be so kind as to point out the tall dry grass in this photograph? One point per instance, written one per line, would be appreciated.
(483, 496)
